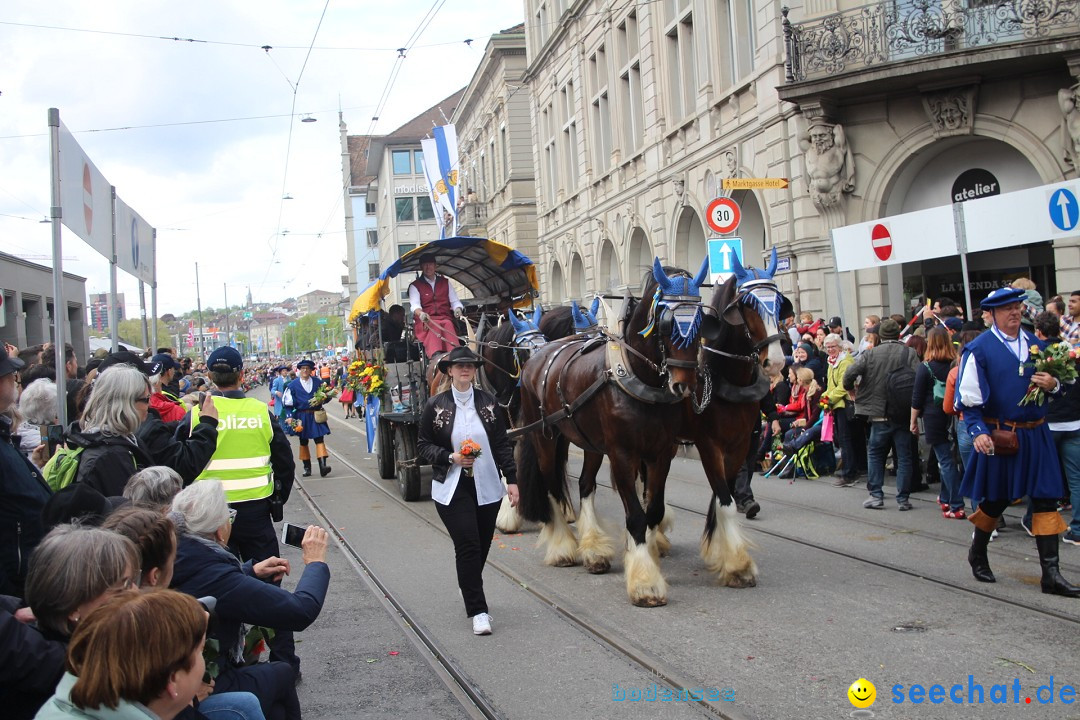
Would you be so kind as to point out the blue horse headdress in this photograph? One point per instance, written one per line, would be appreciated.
(584, 319)
(678, 299)
(758, 289)
(526, 326)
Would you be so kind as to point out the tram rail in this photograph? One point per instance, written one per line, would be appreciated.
(449, 671)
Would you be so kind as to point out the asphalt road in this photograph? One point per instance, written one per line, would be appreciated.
(843, 593)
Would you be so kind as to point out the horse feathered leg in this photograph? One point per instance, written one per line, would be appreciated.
(559, 539)
(725, 549)
(596, 547)
(645, 583)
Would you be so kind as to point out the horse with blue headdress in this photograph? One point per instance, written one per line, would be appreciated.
(620, 397)
(719, 420)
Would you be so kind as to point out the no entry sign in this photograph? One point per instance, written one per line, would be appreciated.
(723, 215)
(881, 239)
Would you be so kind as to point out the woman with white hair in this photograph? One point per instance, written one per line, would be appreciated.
(110, 452)
(37, 406)
(246, 593)
(153, 488)
(840, 405)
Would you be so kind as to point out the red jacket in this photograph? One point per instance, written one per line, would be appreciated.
(170, 411)
(434, 301)
(811, 328)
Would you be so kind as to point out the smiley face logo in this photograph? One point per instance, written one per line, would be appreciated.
(862, 693)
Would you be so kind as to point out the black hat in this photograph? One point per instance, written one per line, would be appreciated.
(78, 501)
(836, 322)
(126, 357)
(9, 363)
(225, 359)
(427, 257)
(460, 355)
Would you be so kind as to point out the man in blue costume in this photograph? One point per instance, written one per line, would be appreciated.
(995, 373)
(277, 392)
(299, 393)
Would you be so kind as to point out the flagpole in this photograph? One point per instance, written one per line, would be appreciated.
(198, 303)
(153, 296)
(59, 305)
(114, 315)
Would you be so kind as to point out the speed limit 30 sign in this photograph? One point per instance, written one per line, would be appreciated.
(723, 215)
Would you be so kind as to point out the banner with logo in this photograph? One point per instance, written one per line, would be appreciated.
(441, 169)
(85, 195)
(135, 251)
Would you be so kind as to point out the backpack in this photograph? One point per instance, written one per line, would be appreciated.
(62, 468)
(899, 389)
(939, 387)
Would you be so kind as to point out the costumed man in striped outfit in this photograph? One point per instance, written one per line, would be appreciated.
(434, 305)
(995, 373)
(298, 397)
(254, 462)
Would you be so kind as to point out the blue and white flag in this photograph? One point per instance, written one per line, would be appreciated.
(441, 169)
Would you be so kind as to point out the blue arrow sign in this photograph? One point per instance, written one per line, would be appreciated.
(1064, 210)
(721, 251)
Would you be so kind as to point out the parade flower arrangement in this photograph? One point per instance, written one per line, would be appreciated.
(294, 425)
(1058, 360)
(368, 379)
(469, 448)
(323, 395)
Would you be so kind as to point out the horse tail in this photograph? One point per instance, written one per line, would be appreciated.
(534, 503)
(710, 519)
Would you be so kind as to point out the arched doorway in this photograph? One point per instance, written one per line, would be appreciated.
(690, 246)
(751, 228)
(639, 258)
(558, 288)
(577, 277)
(608, 276)
(927, 181)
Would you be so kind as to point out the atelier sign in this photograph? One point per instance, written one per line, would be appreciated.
(975, 183)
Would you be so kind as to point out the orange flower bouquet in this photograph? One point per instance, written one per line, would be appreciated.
(470, 449)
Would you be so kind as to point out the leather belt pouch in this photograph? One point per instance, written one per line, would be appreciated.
(1005, 442)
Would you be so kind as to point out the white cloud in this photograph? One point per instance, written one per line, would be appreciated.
(214, 189)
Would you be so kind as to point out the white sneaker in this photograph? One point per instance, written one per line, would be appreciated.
(481, 624)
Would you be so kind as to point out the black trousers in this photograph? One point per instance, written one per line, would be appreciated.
(845, 437)
(471, 527)
(254, 538)
(741, 490)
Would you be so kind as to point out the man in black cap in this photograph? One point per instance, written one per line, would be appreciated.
(836, 327)
(434, 305)
(23, 492)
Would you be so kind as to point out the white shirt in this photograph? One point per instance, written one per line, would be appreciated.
(414, 294)
(467, 425)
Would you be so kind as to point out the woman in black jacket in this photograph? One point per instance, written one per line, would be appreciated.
(466, 487)
(937, 361)
(118, 405)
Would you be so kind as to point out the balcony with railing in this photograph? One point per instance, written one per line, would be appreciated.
(472, 219)
(872, 37)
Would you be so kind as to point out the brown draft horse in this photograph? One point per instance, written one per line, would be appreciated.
(751, 309)
(584, 378)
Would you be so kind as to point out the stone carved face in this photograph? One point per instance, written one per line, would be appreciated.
(952, 116)
(822, 137)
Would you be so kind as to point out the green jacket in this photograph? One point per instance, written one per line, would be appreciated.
(59, 707)
(835, 393)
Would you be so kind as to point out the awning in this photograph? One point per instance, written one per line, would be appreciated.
(490, 271)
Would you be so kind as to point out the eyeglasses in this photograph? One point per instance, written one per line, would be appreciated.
(143, 400)
(128, 583)
(232, 515)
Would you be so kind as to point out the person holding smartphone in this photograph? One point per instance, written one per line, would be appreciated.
(466, 487)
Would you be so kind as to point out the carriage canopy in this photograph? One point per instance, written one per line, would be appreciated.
(490, 270)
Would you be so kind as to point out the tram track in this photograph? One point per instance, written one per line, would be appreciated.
(941, 582)
(447, 669)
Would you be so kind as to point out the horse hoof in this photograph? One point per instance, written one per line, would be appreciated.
(649, 601)
(598, 568)
(564, 562)
(740, 581)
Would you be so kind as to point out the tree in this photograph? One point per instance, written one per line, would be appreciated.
(130, 331)
(308, 331)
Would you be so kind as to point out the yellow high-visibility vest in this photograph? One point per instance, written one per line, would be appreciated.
(242, 458)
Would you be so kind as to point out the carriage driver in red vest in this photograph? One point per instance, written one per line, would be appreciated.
(435, 305)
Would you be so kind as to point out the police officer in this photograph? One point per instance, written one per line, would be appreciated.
(254, 463)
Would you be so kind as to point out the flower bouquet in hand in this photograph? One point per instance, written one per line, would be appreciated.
(293, 426)
(323, 394)
(1057, 360)
(470, 449)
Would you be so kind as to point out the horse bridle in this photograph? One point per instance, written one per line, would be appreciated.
(747, 296)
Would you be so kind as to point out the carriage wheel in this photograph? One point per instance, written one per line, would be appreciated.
(408, 464)
(386, 450)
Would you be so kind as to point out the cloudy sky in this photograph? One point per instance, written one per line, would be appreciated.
(196, 135)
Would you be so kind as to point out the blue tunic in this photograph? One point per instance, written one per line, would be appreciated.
(303, 410)
(1034, 471)
(277, 389)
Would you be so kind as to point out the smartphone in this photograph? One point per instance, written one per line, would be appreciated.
(292, 534)
(202, 399)
(54, 435)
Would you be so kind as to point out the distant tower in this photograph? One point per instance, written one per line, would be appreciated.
(248, 297)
